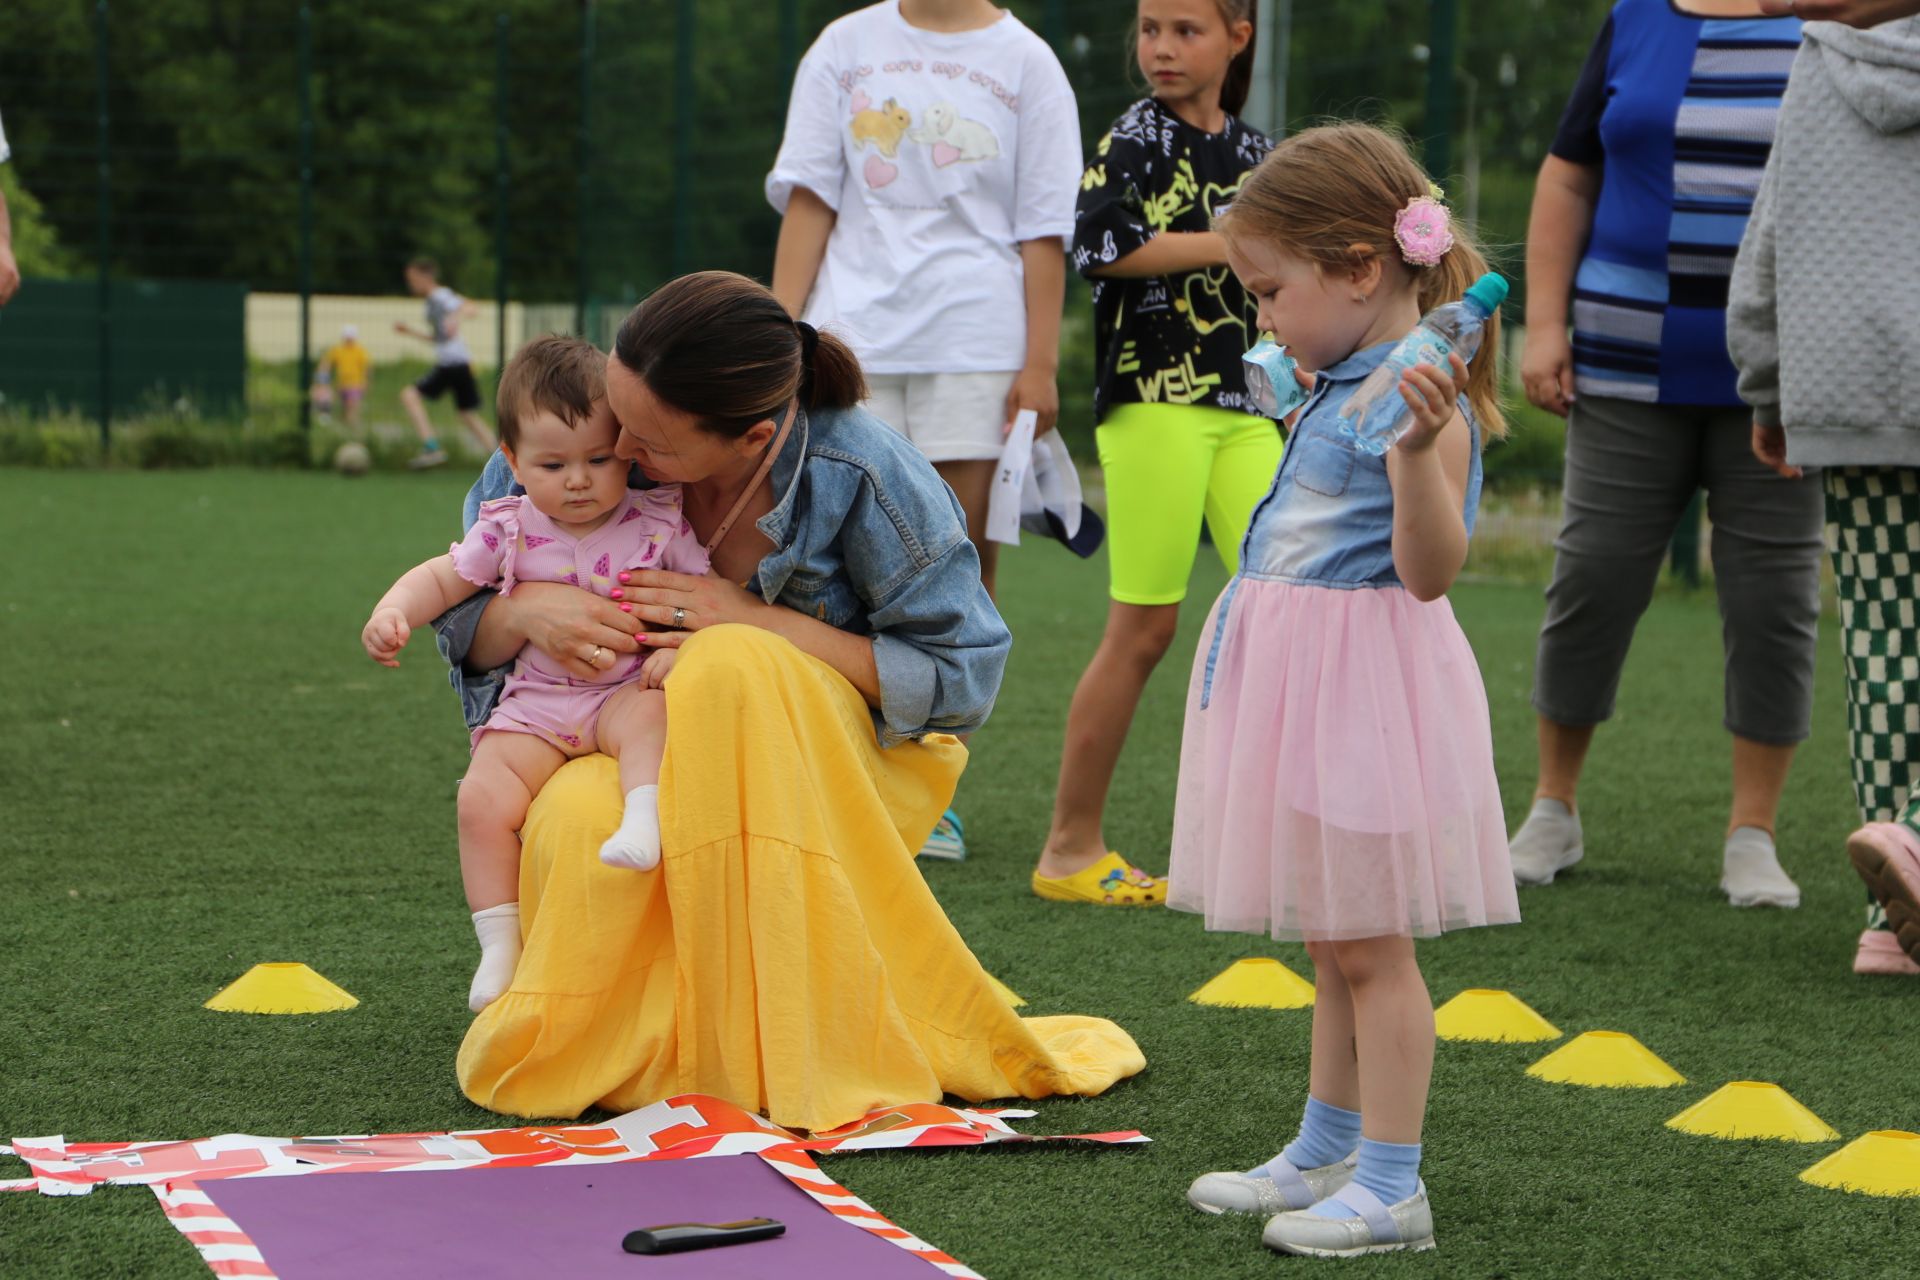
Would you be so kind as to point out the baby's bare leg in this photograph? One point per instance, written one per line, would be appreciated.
(508, 770)
(633, 730)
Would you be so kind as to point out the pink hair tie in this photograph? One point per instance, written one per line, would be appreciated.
(1424, 231)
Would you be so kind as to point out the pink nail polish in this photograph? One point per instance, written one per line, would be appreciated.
(641, 638)
(624, 577)
(617, 592)
(626, 608)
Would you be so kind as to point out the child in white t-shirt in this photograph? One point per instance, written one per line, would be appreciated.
(927, 182)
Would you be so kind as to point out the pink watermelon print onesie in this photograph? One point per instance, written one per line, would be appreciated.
(513, 542)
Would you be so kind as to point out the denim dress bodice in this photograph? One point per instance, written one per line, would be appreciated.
(1328, 520)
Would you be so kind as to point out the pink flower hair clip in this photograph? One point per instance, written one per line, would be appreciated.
(1424, 231)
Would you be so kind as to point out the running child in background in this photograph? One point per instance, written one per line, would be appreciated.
(452, 364)
(343, 369)
(1336, 774)
(577, 523)
(926, 185)
(1178, 437)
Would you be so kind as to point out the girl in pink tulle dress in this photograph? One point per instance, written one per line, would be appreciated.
(578, 524)
(1336, 775)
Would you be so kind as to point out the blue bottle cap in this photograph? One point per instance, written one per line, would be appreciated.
(1490, 290)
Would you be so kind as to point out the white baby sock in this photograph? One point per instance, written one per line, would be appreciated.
(499, 932)
(636, 845)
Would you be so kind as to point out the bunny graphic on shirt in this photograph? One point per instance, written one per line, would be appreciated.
(953, 138)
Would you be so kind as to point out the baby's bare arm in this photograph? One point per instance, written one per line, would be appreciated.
(422, 594)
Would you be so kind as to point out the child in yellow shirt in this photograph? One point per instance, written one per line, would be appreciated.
(343, 366)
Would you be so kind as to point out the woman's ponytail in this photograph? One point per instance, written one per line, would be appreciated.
(833, 378)
(721, 346)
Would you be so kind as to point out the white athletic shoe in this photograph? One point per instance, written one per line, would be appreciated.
(1377, 1228)
(1750, 873)
(1268, 1194)
(1547, 843)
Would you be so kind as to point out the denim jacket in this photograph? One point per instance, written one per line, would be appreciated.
(867, 538)
(1328, 520)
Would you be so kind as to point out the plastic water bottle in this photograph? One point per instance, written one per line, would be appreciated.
(1376, 415)
(1271, 383)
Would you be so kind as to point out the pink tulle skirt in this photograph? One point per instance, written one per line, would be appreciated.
(1338, 781)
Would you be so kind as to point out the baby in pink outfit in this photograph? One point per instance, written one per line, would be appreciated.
(514, 541)
(577, 524)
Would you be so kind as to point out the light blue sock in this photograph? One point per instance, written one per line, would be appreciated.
(1391, 1170)
(1327, 1135)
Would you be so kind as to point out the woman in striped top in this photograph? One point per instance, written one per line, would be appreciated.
(1637, 215)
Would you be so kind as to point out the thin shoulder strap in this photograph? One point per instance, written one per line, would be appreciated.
(759, 478)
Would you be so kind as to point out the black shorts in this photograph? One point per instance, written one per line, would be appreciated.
(457, 378)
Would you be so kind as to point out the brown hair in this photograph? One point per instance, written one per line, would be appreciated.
(721, 347)
(557, 374)
(424, 265)
(1234, 89)
(1331, 194)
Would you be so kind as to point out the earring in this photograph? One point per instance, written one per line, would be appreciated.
(1360, 298)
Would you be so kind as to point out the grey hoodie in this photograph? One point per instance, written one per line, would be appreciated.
(1823, 313)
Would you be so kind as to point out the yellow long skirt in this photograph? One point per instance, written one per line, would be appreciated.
(787, 956)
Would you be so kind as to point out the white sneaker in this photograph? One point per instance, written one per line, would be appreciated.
(1547, 843)
(1265, 1193)
(1750, 873)
(1377, 1228)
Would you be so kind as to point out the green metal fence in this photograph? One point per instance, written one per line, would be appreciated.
(562, 157)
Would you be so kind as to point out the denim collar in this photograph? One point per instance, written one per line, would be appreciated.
(1360, 363)
(777, 524)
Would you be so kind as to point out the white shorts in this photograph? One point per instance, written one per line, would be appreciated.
(950, 417)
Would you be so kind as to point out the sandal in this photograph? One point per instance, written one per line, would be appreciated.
(1110, 882)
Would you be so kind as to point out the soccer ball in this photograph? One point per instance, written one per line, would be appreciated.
(352, 459)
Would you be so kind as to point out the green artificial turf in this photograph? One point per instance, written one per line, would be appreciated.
(201, 770)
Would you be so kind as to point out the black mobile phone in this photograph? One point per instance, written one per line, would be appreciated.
(678, 1237)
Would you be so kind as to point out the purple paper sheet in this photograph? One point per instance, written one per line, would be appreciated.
(554, 1221)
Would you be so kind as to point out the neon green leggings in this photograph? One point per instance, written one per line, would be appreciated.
(1166, 465)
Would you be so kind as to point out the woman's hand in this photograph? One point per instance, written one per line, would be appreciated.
(1546, 369)
(581, 631)
(1432, 396)
(1037, 389)
(687, 604)
(386, 634)
(1770, 446)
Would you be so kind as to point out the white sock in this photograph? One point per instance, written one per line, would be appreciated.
(499, 931)
(636, 845)
(1751, 874)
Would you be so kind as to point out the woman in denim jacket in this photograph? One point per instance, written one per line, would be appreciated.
(787, 955)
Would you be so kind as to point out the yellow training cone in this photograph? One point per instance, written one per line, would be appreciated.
(1883, 1163)
(1258, 982)
(1006, 993)
(1606, 1059)
(1491, 1015)
(281, 988)
(1752, 1109)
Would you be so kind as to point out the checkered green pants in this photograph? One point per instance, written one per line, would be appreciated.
(1873, 534)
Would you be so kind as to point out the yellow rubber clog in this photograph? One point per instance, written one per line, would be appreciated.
(1110, 882)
